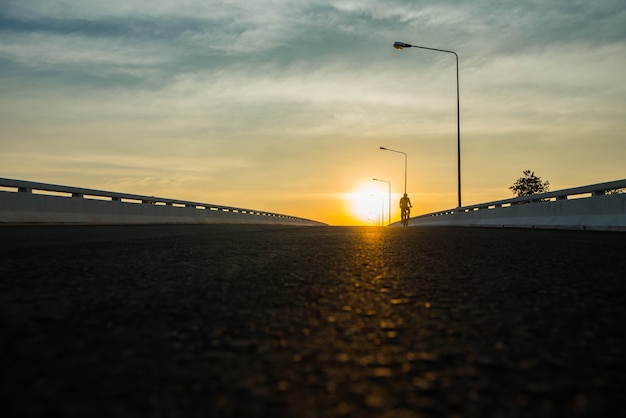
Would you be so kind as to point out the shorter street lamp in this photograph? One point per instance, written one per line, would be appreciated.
(389, 209)
(405, 158)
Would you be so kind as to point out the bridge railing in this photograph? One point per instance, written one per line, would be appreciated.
(595, 206)
(21, 202)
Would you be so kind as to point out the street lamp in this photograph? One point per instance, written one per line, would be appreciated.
(389, 209)
(405, 158)
(402, 45)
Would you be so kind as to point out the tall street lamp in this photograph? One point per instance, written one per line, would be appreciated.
(402, 45)
(405, 158)
(389, 208)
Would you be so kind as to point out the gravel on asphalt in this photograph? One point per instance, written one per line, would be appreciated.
(225, 321)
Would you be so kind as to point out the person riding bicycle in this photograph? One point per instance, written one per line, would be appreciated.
(405, 207)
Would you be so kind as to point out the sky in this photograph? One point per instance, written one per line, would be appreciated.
(282, 105)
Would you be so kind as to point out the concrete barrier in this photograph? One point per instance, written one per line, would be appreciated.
(24, 202)
(595, 207)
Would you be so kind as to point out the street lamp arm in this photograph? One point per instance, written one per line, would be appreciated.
(393, 150)
(402, 45)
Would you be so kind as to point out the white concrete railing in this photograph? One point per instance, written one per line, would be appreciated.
(596, 206)
(27, 202)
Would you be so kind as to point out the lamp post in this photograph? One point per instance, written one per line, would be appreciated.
(389, 208)
(402, 45)
(405, 158)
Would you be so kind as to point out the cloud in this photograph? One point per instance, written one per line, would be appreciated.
(46, 51)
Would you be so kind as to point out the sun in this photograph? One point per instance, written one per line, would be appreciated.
(368, 205)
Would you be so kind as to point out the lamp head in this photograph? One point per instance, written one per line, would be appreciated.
(401, 45)
(383, 148)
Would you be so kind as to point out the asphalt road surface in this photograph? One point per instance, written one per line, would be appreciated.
(260, 321)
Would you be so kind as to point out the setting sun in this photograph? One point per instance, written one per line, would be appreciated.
(368, 205)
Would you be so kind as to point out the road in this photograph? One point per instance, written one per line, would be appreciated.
(260, 321)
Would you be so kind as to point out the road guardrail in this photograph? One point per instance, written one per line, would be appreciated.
(27, 202)
(600, 206)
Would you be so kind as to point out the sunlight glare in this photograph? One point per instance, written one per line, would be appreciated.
(367, 204)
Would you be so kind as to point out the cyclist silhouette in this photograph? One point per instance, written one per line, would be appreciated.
(405, 208)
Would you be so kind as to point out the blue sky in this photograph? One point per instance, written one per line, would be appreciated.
(282, 105)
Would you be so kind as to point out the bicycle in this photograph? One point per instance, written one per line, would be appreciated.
(406, 215)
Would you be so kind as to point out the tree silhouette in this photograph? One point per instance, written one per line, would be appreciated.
(529, 184)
